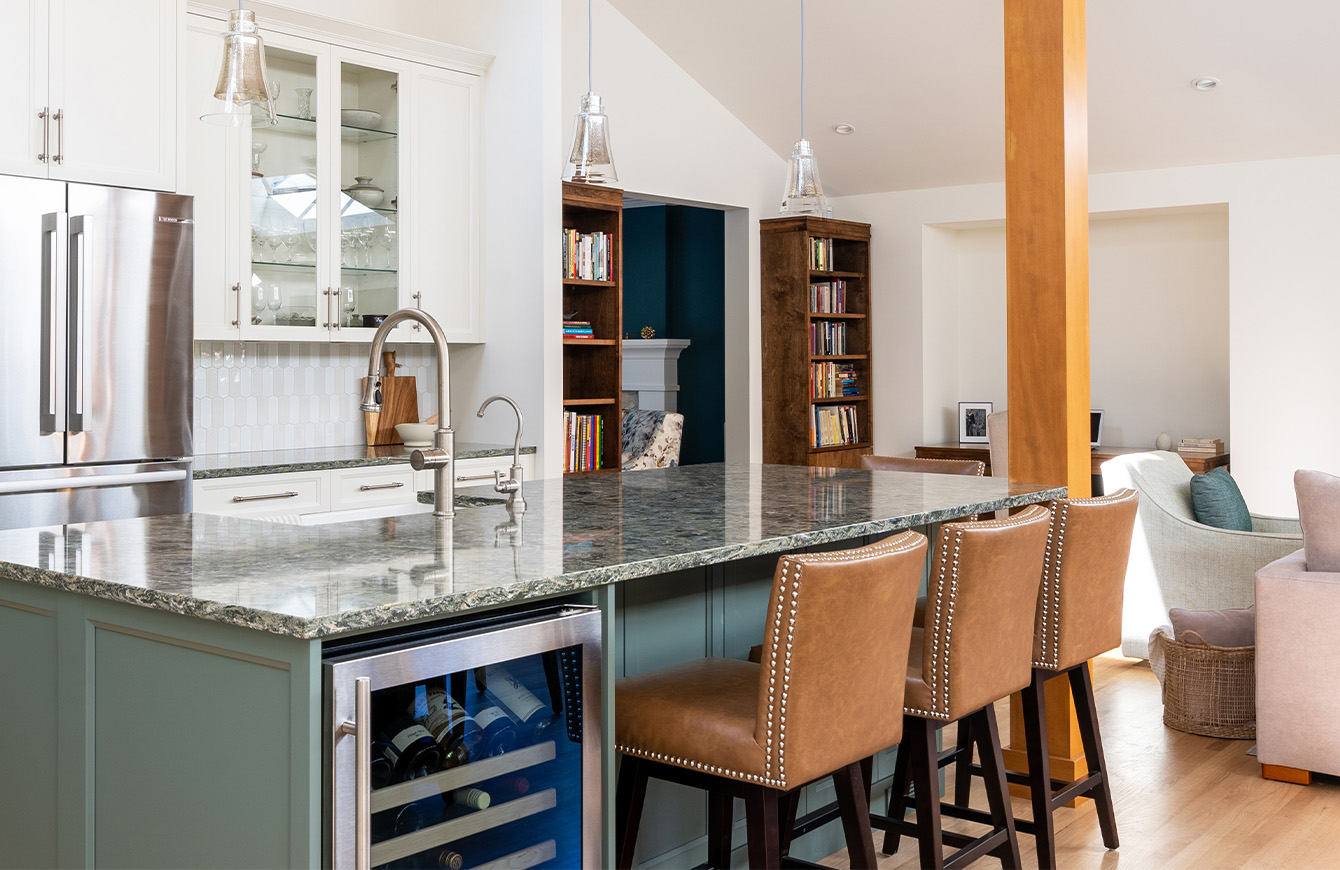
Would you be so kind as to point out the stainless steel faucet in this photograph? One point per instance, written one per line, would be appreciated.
(516, 503)
(441, 457)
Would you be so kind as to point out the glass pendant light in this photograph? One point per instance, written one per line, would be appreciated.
(590, 161)
(242, 82)
(804, 194)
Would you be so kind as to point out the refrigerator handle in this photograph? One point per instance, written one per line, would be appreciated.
(361, 729)
(53, 237)
(80, 225)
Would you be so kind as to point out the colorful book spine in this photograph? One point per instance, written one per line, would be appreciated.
(588, 256)
(584, 440)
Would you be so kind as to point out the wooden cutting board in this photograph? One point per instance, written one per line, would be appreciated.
(400, 404)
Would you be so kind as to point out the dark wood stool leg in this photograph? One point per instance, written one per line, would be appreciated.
(851, 798)
(997, 792)
(760, 810)
(629, 794)
(1086, 712)
(720, 817)
(789, 806)
(926, 781)
(1039, 768)
(902, 777)
(963, 765)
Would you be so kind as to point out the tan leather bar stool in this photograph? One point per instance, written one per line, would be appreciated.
(971, 467)
(972, 651)
(1078, 617)
(829, 693)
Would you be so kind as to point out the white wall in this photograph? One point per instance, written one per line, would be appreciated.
(1283, 271)
(673, 141)
(1158, 325)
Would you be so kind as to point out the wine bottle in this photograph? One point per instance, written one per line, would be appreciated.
(383, 763)
(415, 752)
(455, 730)
(474, 798)
(498, 727)
(532, 715)
(449, 860)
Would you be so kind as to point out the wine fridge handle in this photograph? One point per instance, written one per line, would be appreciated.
(361, 729)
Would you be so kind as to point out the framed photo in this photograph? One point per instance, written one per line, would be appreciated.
(972, 422)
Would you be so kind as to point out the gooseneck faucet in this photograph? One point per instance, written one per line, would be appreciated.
(516, 503)
(441, 457)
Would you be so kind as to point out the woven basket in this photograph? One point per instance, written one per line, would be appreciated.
(1209, 690)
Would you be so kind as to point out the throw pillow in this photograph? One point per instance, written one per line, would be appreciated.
(1319, 515)
(1218, 502)
(1233, 627)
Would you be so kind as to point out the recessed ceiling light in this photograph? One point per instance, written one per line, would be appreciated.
(843, 129)
(1205, 83)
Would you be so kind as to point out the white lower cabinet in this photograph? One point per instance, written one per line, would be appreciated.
(478, 471)
(298, 492)
(372, 486)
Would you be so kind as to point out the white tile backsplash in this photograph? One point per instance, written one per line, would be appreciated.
(281, 395)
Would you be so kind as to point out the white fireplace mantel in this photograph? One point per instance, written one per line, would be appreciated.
(651, 369)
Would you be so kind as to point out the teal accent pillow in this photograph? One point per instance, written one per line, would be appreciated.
(1218, 502)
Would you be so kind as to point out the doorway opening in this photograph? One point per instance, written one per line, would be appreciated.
(674, 279)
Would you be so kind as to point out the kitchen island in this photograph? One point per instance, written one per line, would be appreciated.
(172, 706)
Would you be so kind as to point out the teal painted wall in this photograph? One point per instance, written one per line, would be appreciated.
(674, 281)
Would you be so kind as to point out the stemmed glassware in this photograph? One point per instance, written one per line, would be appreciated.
(274, 302)
(290, 237)
(389, 234)
(304, 102)
(257, 304)
(257, 149)
(349, 306)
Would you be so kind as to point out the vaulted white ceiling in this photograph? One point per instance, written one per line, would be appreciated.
(922, 81)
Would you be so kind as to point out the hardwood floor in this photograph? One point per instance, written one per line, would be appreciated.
(1181, 800)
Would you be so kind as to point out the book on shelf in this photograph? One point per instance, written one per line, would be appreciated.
(828, 338)
(821, 254)
(833, 380)
(588, 256)
(834, 426)
(578, 329)
(828, 297)
(584, 438)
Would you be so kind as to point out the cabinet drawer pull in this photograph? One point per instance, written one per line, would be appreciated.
(464, 477)
(59, 118)
(371, 486)
(45, 115)
(241, 498)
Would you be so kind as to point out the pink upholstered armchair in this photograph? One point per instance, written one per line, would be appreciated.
(1297, 623)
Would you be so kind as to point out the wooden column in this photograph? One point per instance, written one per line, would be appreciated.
(1047, 284)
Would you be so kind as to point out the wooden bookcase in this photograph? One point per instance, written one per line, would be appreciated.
(593, 368)
(788, 273)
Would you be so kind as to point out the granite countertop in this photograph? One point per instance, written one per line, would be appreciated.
(212, 465)
(579, 532)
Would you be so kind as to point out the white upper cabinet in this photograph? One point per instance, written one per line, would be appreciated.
(95, 90)
(362, 199)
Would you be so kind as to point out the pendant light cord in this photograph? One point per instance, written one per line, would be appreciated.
(802, 68)
(588, 45)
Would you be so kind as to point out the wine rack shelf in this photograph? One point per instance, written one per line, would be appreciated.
(456, 829)
(458, 777)
(531, 856)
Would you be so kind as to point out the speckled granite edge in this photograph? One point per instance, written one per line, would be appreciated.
(282, 467)
(446, 605)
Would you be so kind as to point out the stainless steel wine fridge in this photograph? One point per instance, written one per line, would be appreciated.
(471, 745)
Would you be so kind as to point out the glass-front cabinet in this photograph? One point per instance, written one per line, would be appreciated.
(372, 158)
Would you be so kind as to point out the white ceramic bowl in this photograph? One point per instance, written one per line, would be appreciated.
(416, 434)
(365, 118)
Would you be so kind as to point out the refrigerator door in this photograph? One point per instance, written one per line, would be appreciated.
(128, 392)
(57, 496)
(32, 322)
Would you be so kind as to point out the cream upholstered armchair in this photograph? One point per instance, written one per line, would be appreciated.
(650, 439)
(1178, 562)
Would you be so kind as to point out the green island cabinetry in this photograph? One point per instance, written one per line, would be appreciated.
(162, 677)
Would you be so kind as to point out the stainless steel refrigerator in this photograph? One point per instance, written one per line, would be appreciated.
(95, 352)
